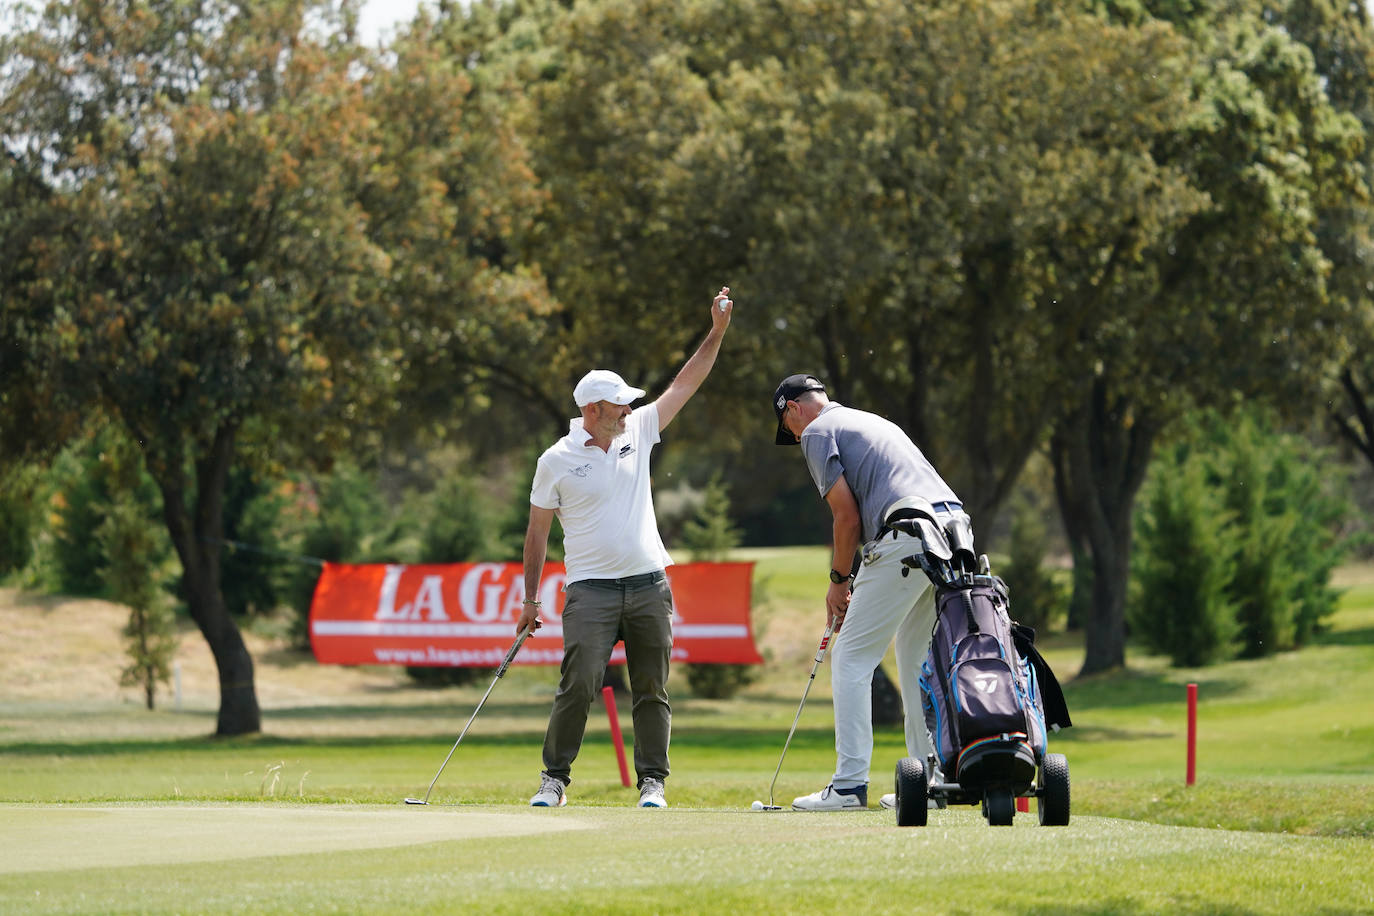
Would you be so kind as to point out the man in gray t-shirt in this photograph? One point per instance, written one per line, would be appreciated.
(865, 468)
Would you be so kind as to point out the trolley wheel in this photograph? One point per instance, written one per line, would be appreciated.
(1054, 791)
(911, 793)
(999, 806)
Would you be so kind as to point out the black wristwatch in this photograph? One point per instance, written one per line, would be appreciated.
(838, 577)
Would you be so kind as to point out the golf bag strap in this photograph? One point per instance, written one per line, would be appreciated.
(1051, 694)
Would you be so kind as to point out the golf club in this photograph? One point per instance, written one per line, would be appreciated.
(515, 647)
(820, 657)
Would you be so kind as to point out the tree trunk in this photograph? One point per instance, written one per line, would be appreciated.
(1359, 432)
(197, 537)
(1105, 449)
(1075, 532)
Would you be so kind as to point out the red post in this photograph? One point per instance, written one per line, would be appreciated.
(1022, 804)
(1192, 734)
(608, 694)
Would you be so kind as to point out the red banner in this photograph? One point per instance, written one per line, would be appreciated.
(463, 615)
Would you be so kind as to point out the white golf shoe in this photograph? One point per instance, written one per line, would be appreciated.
(550, 794)
(889, 801)
(833, 799)
(651, 793)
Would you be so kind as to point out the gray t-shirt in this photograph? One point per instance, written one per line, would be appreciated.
(879, 462)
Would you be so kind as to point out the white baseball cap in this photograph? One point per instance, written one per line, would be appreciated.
(604, 385)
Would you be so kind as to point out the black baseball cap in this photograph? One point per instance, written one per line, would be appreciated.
(790, 389)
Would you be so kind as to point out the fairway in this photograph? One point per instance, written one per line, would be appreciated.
(507, 859)
(42, 838)
(106, 807)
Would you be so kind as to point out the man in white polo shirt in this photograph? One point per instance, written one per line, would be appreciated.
(596, 479)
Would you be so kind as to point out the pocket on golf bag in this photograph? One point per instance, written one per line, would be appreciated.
(937, 718)
(987, 700)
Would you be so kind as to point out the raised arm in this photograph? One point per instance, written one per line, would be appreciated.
(695, 370)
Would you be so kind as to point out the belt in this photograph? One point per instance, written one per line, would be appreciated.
(900, 514)
(639, 581)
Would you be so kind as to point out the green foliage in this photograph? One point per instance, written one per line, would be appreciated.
(1038, 598)
(19, 522)
(710, 537)
(708, 534)
(1240, 502)
(131, 546)
(254, 566)
(1286, 502)
(341, 518)
(457, 524)
(87, 480)
(79, 503)
(134, 551)
(1183, 565)
(720, 682)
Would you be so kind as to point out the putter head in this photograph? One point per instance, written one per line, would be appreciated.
(771, 808)
(416, 801)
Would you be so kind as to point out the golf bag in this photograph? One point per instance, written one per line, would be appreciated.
(983, 683)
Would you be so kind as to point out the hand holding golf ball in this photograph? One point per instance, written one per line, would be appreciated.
(723, 299)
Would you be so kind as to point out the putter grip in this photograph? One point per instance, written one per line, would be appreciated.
(510, 656)
(825, 644)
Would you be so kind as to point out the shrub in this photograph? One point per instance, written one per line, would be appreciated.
(720, 682)
(1182, 566)
(457, 526)
(18, 520)
(1266, 503)
(80, 499)
(340, 518)
(710, 537)
(254, 568)
(135, 552)
(1286, 517)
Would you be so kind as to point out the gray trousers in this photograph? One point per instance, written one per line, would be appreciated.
(597, 613)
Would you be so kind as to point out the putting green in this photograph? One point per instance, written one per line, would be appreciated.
(45, 837)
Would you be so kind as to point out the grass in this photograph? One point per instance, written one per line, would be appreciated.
(105, 807)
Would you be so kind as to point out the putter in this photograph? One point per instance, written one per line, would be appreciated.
(515, 647)
(820, 657)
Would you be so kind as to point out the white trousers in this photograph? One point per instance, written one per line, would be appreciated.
(884, 605)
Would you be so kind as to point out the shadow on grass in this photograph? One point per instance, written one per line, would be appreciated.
(724, 739)
(1364, 637)
(1125, 688)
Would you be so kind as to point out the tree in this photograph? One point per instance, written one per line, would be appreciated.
(1226, 305)
(922, 202)
(196, 253)
(1341, 40)
(133, 576)
(1183, 566)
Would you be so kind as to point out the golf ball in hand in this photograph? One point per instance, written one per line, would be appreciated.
(724, 304)
(757, 806)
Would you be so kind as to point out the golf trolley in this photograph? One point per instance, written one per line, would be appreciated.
(985, 690)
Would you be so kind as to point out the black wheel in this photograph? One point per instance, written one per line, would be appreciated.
(911, 793)
(999, 806)
(1054, 791)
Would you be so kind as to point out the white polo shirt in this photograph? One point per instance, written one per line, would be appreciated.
(603, 500)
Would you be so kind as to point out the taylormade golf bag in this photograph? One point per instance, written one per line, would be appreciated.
(983, 682)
